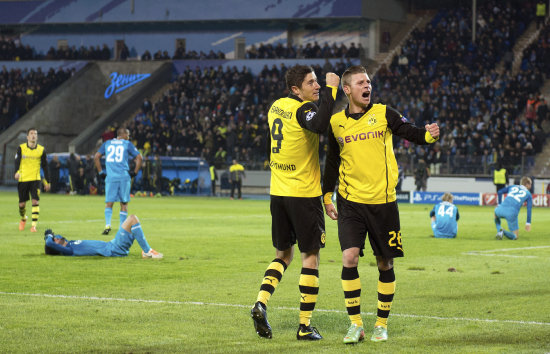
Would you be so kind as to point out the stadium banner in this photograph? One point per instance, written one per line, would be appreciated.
(403, 197)
(435, 197)
(539, 200)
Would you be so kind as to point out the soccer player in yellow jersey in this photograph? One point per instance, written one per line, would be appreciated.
(29, 158)
(360, 154)
(295, 123)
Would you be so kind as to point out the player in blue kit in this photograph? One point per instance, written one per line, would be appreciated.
(117, 247)
(444, 217)
(118, 178)
(509, 208)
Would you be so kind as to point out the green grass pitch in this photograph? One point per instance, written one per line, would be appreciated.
(198, 298)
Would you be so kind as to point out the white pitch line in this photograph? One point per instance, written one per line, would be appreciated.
(201, 303)
(514, 249)
(217, 217)
(495, 252)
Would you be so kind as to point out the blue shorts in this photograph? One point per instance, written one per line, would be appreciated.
(121, 243)
(510, 215)
(438, 234)
(118, 191)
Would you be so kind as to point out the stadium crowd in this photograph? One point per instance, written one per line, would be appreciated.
(440, 75)
(280, 51)
(216, 114)
(537, 55)
(20, 90)
(13, 49)
(479, 108)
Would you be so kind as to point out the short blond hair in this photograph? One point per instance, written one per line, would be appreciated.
(447, 197)
(354, 69)
(526, 180)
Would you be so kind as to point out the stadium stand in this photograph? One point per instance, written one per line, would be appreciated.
(21, 90)
(440, 74)
(214, 106)
(208, 111)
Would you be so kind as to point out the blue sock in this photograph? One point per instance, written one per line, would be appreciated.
(137, 232)
(497, 224)
(122, 215)
(510, 235)
(108, 216)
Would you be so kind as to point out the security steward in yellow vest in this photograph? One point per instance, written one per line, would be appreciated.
(500, 178)
(236, 175)
(213, 179)
(29, 158)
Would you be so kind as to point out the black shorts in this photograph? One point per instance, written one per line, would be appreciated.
(297, 219)
(379, 221)
(26, 188)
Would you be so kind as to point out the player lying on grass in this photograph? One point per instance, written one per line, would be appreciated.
(117, 247)
(509, 208)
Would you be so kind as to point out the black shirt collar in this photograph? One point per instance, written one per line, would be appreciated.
(356, 116)
(293, 96)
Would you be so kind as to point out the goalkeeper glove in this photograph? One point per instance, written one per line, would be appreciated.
(132, 174)
(102, 175)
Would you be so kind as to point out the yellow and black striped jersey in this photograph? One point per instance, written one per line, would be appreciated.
(28, 162)
(294, 144)
(360, 153)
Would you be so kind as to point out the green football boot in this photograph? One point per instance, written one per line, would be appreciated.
(380, 334)
(355, 334)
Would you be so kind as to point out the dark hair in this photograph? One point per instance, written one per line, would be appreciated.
(295, 76)
(31, 129)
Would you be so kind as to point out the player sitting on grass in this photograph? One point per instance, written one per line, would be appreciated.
(444, 216)
(117, 247)
(509, 208)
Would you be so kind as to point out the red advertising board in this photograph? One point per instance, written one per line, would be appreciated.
(539, 200)
(489, 199)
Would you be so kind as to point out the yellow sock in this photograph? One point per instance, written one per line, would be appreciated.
(309, 289)
(272, 277)
(386, 290)
(35, 213)
(351, 283)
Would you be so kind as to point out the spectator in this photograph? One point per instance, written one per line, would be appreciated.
(54, 166)
(75, 163)
(421, 175)
(541, 13)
